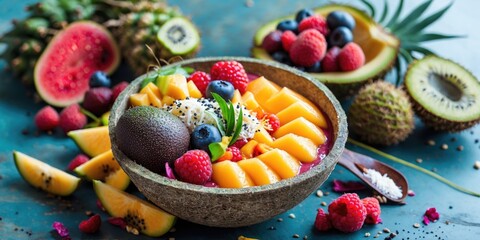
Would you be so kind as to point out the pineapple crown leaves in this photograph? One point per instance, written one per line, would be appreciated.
(409, 29)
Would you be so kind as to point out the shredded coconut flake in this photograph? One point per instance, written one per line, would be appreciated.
(197, 111)
(384, 183)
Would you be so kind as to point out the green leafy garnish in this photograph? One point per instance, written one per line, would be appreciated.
(217, 149)
(151, 77)
(231, 126)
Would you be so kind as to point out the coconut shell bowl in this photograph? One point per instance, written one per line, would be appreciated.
(226, 207)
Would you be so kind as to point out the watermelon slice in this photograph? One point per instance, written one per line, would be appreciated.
(62, 72)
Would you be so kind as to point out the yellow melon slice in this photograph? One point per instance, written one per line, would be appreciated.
(263, 89)
(92, 141)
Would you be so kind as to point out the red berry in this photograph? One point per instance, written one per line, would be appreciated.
(236, 154)
(230, 71)
(91, 225)
(47, 119)
(288, 37)
(117, 89)
(322, 221)
(351, 57)
(373, 210)
(98, 100)
(71, 118)
(194, 167)
(317, 22)
(240, 143)
(347, 213)
(272, 42)
(77, 161)
(329, 62)
(201, 80)
(273, 122)
(308, 49)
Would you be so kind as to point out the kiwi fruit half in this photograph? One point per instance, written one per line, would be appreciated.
(179, 36)
(445, 95)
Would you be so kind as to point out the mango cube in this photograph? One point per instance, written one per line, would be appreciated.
(262, 89)
(154, 89)
(174, 86)
(248, 148)
(260, 173)
(139, 99)
(301, 109)
(249, 101)
(167, 100)
(228, 174)
(193, 90)
(237, 97)
(301, 148)
(302, 127)
(153, 94)
(262, 136)
(282, 163)
(281, 100)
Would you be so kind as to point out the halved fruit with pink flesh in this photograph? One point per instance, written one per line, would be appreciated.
(137, 213)
(43, 176)
(62, 72)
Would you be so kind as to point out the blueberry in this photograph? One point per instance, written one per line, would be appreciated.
(203, 135)
(316, 68)
(223, 88)
(281, 56)
(99, 79)
(340, 19)
(339, 37)
(302, 14)
(288, 24)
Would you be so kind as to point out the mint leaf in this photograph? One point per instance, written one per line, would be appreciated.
(218, 122)
(238, 127)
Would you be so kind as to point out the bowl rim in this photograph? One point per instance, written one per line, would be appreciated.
(335, 151)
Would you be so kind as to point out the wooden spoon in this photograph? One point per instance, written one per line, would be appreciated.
(356, 163)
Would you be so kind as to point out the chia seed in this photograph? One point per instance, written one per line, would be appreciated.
(431, 142)
(476, 165)
(460, 148)
(296, 236)
(416, 225)
(323, 204)
(319, 193)
(291, 215)
(444, 146)
(386, 230)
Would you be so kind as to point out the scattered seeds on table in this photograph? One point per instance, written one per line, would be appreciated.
(326, 193)
(416, 225)
(460, 148)
(376, 236)
(410, 193)
(305, 237)
(431, 142)
(367, 234)
(323, 204)
(280, 220)
(319, 193)
(444, 146)
(392, 235)
(296, 236)
(453, 139)
(386, 230)
(419, 160)
(476, 165)
(291, 215)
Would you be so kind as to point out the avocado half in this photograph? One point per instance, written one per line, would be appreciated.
(379, 46)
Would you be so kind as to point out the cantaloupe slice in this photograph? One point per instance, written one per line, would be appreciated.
(153, 94)
(139, 99)
(263, 89)
(228, 174)
(302, 109)
(301, 148)
(237, 96)
(281, 163)
(104, 167)
(262, 136)
(92, 141)
(248, 100)
(43, 176)
(174, 86)
(260, 173)
(193, 90)
(138, 213)
(302, 127)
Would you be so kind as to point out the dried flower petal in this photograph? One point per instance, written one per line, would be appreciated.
(61, 230)
(118, 221)
(432, 214)
(169, 171)
(350, 186)
(425, 220)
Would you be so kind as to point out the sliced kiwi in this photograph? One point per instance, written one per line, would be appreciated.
(445, 95)
(179, 36)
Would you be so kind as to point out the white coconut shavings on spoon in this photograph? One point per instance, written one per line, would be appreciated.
(385, 184)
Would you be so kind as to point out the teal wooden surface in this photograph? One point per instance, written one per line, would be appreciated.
(227, 29)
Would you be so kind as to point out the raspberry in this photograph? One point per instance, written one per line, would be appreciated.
(308, 49)
(240, 143)
(373, 210)
(71, 118)
(318, 23)
(194, 167)
(47, 118)
(273, 122)
(288, 37)
(91, 225)
(347, 213)
(236, 154)
(231, 71)
(98, 100)
(117, 89)
(272, 42)
(351, 57)
(201, 80)
(77, 161)
(322, 221)
(329, 62)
